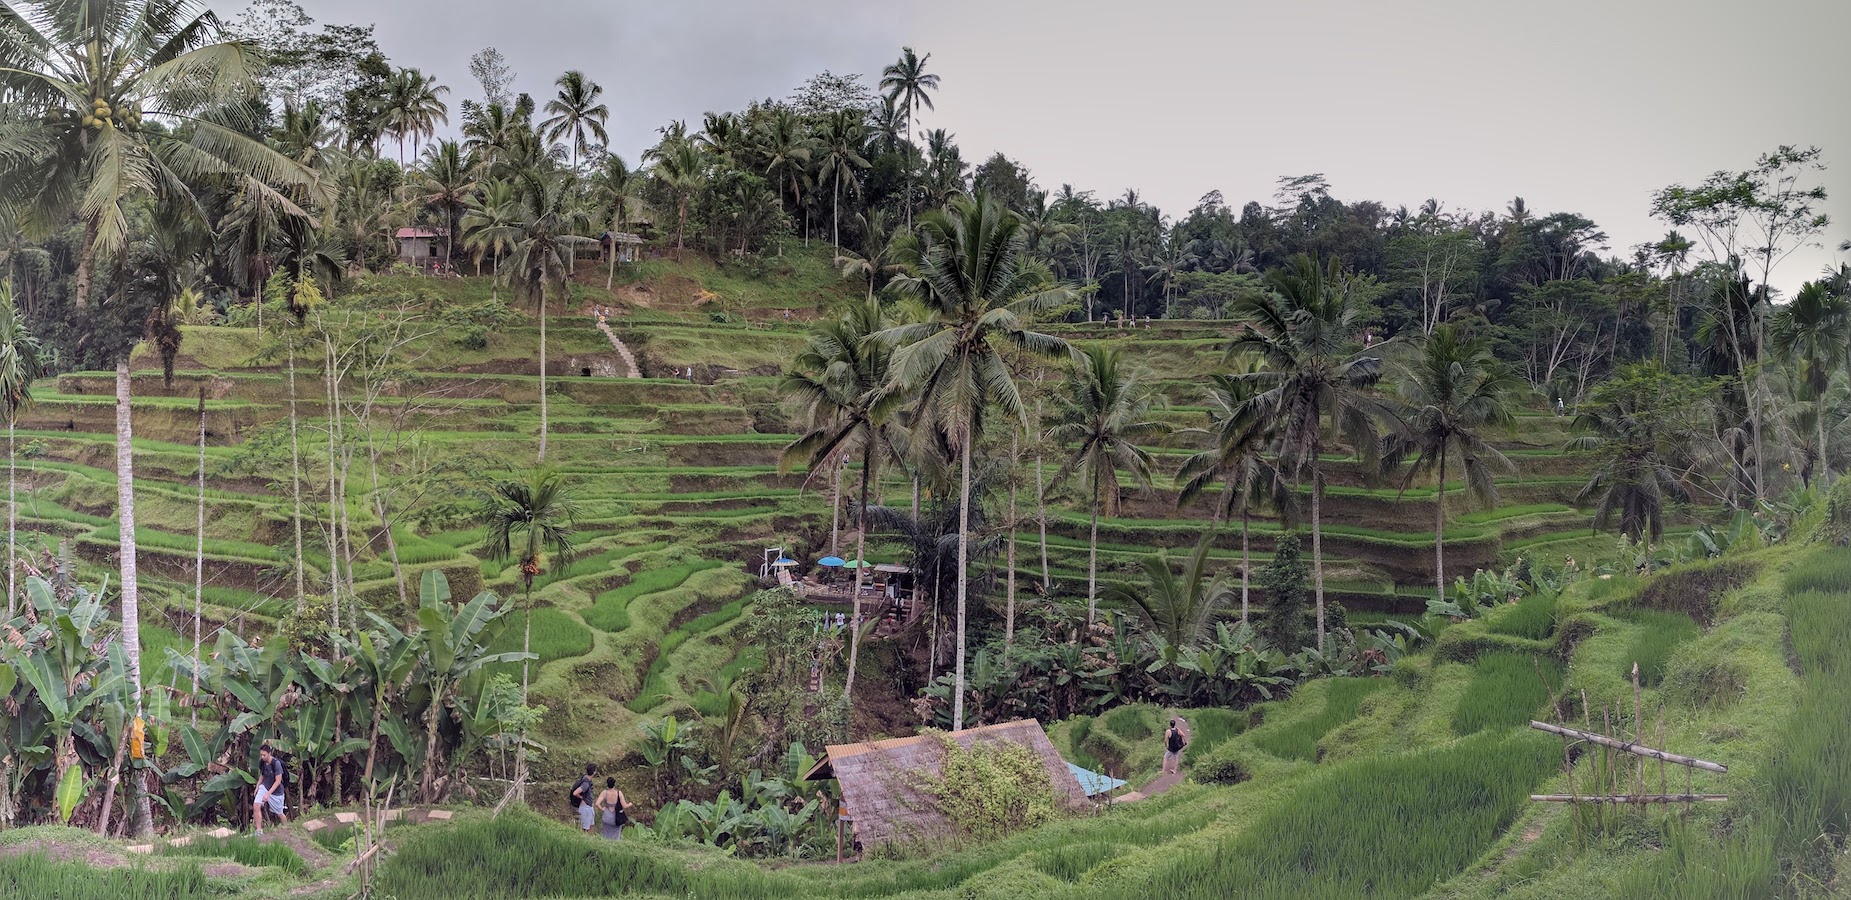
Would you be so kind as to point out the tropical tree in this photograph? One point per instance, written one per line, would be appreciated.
(681, 166)
(1814, 333)
(413, 108)
(908, 86)
(1450, 389)
(1101, 418)
(842, 140)
(487, 223)
(787, 149)
(1644, 427)
(880, 251)
(841, 383)
(576, 112)
(1240, 461)
(619, 191)
(20, 363)
(1181, 608)
(525, 520)
(966, 270)
(541, 243)
(444, 186)
(1304, 333)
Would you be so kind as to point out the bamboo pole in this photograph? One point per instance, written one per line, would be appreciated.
(1629, 798)
(1632, 747)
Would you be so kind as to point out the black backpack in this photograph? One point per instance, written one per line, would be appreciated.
(1176, 741)
(582, 788)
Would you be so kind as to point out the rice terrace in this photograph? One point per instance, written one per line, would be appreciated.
(633, 458)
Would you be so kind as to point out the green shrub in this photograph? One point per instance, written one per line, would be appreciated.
(989, 790)
(1532, 617)
(1660, 632)
(1385, 827)
(1298, 739)
(1508, 691)
(242, 849)
(35, 876)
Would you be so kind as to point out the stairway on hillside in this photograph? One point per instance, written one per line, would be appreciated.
(629, 359)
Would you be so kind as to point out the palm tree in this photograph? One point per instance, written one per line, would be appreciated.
(487, 221)
(413, 108)
(907, 85)
(786, 150)
(1101, 418)
(19, 364)
(445, 185)
(1239, 459)
(1640, 448)
(1176, 257)
(879, 254)
(575, 111)
(967, 271)
(840, 383)
(1814, 332)
(619, 191)
(681, 166)
(1304, 332)
(526, 519)
(543, 241)
(83, 78)
(1180, 608)
(1450, 389)
(842, 139)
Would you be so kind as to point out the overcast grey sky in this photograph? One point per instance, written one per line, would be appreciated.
(1580, 105)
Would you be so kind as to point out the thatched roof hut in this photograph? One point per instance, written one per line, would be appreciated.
(881, 780)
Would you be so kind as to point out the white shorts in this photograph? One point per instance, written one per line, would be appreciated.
(270, 801)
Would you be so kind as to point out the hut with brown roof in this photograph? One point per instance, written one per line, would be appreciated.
(881, 781)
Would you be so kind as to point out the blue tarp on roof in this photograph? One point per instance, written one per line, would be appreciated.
(1092, 782)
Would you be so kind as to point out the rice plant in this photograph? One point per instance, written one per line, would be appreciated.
(556, 635)
(610, 610)
(1532, 617)
(1210, 728)
(1298, 739)
(1385, 827)
(1660, 632)
(1822, 570)
(1508, 691)
(242, 849)
(654, 688)
(35, 876)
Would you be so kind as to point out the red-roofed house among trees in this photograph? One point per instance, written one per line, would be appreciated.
(420, 247)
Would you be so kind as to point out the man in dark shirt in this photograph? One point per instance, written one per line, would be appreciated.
(270, 781)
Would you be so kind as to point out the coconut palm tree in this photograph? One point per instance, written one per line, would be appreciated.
(444, 186)
(527, 519)
(1304, 333)
(1642, 447)
(19, 365)
(542, 241)
(1450, 388)
(576, 112)
(619, 190)
(1239, 460)
(1814, 333)
(880, 250)
(966, 270)
(1101, 417)
(1181, 608)
(681, 166)
(840, 383)
(787, 150)
(413, 108)
(842, 140)
(908, 86)
(84, 78)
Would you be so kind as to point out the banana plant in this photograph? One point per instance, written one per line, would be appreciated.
(453, 655)
(383, 659)
(61, 658)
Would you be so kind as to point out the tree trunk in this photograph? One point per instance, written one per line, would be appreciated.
(334, 500)
(1246, 565)
(199, 550)
(526, 633)
(1015, 453)
(86, 262)
(1092, 559)
(379, 507)
(835, 507)
(957, 701)
(1041, 515)
(543, 371)
(12, 523)
(295, 477)
(861, 551)
(131, 585)
(1317, 541)
(1439, 530)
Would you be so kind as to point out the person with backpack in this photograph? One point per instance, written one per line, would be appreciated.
(614, 809)
(581, 799)
(1173, 743)
(271, 779)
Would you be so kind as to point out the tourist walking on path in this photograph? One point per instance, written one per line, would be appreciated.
(581, 798)
(270, 781)
(612, 808)
(1174, 740)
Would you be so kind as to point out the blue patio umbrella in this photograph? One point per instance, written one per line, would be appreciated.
(831, 561)
(784, 562)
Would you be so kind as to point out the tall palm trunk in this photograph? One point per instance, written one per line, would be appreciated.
(1041, 516)
(1317, 540)
(957, 701)
(12, 520)
(526, 630)
(295, 477)
(861, 550)
(1246, 565)
(199, 548)
(1439, 531)
(1092, 559)
(86, 261)
(131, 584)
(1015, 453)
(334, 500)
(543, 370)
(835, 507)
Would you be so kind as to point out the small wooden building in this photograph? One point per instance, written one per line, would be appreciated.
(420, 247)
(879, 780)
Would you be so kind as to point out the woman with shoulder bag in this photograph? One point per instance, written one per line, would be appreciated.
(612, 809)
